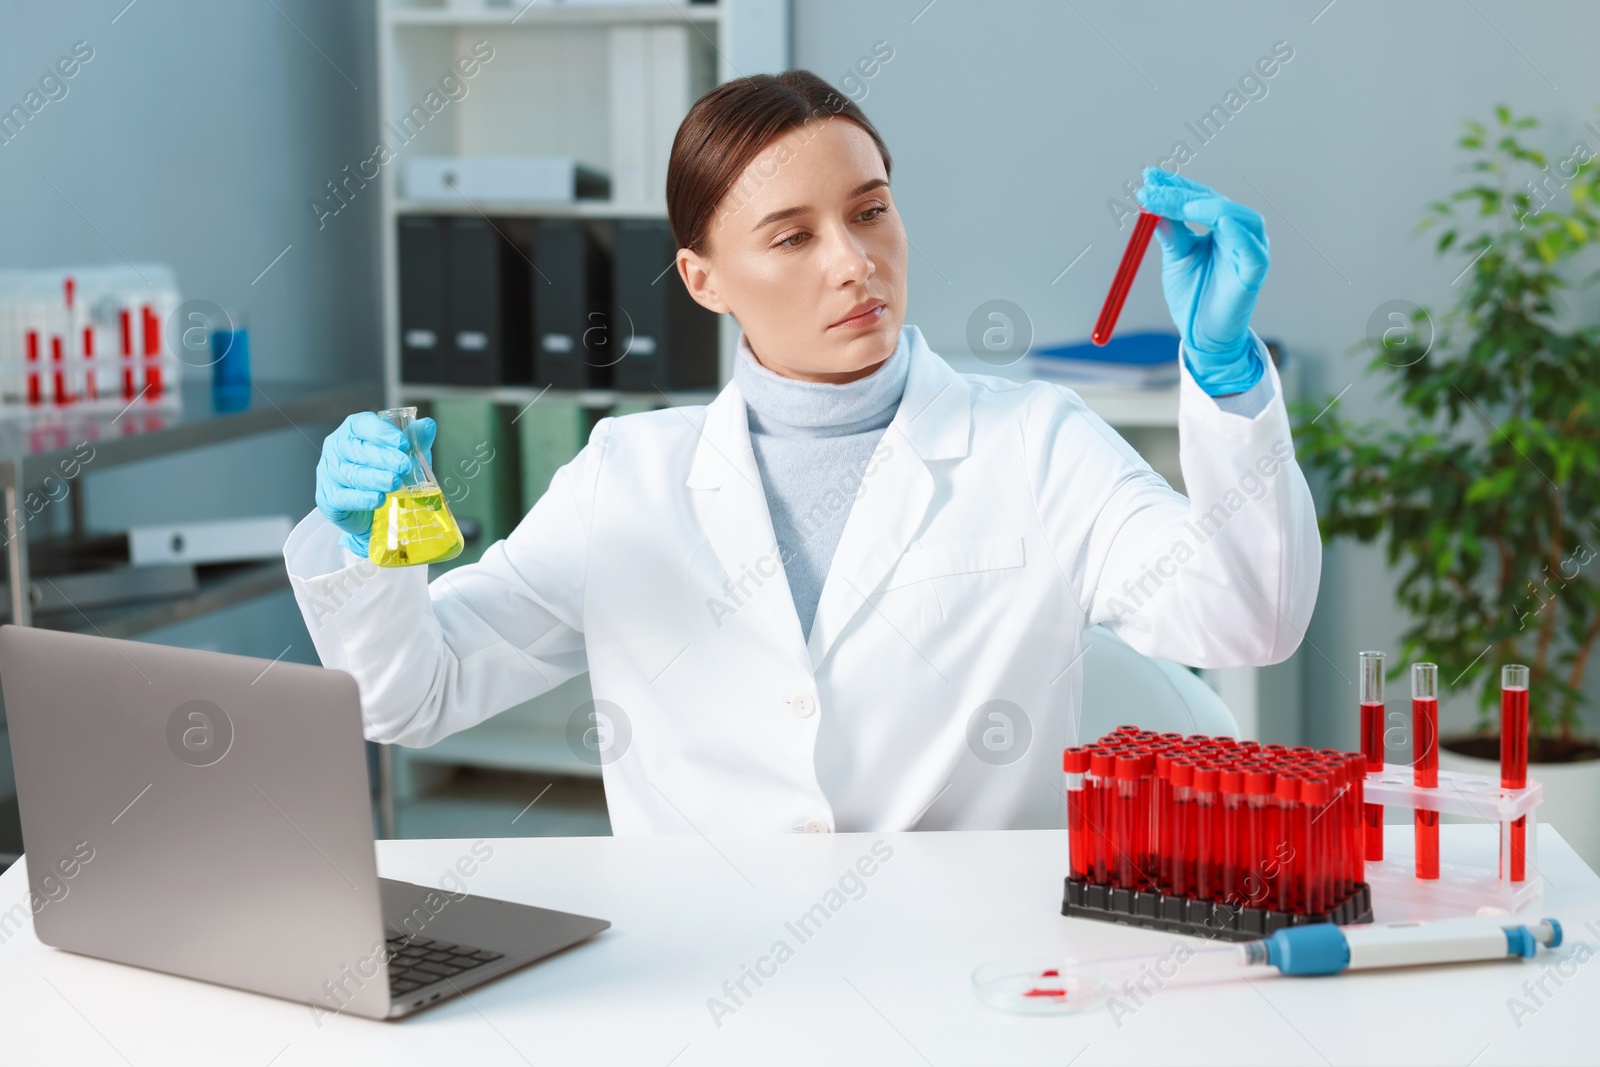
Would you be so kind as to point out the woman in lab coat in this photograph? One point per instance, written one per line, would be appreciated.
(849, 593)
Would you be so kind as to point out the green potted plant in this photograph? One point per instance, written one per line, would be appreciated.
(1487, 500)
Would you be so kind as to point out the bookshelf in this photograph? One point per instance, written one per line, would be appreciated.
(550, 86)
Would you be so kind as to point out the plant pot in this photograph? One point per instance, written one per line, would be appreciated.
(1571, 793)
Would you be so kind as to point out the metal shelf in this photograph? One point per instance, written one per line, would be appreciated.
(522, 13)
(527, 394)
(220, 586)
(583, 209)
(34, 445)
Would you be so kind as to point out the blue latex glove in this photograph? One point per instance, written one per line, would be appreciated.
(362, 461)
(1211, 281)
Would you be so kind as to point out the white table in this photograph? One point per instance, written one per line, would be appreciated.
(885, 980)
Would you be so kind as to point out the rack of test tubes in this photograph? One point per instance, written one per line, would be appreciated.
(1511, 799)
(88, 338)
(1236, 839)
(1212, 836)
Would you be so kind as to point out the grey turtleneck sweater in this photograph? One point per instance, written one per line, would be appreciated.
(812, 441)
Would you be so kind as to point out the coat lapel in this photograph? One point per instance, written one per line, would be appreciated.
(731, 504)
(932, 423)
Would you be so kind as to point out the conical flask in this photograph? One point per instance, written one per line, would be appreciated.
(413, 525)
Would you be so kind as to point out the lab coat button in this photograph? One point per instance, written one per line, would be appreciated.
(802, 705)
(816, 826)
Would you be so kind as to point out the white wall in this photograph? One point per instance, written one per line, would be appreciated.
(1012, 122)
(196, 135)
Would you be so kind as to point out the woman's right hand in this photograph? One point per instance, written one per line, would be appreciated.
(362, 461)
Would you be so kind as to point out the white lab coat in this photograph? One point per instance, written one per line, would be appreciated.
(994, 523)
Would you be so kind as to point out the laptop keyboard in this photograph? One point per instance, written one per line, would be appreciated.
(416, 961)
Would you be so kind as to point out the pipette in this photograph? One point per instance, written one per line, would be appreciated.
(1123, 281)
(1046, 987)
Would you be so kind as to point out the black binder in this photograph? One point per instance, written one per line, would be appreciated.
(489, 315)
(571, 306)
(423, 321)
(667, 341)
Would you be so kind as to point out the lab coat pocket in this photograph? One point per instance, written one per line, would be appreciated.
(921, 563)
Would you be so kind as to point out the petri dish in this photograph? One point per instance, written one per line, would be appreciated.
(1039, 986)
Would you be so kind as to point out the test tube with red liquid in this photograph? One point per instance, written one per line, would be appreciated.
(1514, 764)
(1100, 783)
(1372, 744)
(1230, 782)
(1292, 857)
(35, 394)
(1132, 256)
(1075, 764)
(125, 327)
(1183, 845)
(1425, 761)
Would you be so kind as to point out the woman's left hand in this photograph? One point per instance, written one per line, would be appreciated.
(1211, 280)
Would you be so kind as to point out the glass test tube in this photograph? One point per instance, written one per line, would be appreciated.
(1163, 821)
(1102, 764)
(1075, 764)
(1259, 784)
(1316, 794)
(1514, 766)
(1230, 782)
(1183, 827)
(1290, 859)
(1372, 743)
(1123, 837)
(1425, 761)
(1205, 832)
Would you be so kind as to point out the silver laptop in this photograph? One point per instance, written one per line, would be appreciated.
(209, 815)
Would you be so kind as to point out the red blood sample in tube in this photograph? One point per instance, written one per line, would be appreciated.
(152, 352)
(88, 353)
(1288, 853)
(59, 373)
(125, 329)
(1163, 818)
(1075, 763)
(1144, 815)
(1259, 785)
(1183, 849)
(1314, 812)
(1230, 783)
(1125, 822)
(1100, 782)
(33, 367)
(1514, 762)
(1372, 713)
(1425, 761)
(1205, 833)
(1123, 280)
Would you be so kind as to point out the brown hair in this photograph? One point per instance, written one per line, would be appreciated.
(728, 127)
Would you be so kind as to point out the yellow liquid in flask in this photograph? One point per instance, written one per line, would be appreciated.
(413, 526)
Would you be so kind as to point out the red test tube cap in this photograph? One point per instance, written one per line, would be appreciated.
(1205, 779)
(1075, 760)
(1287, 787)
